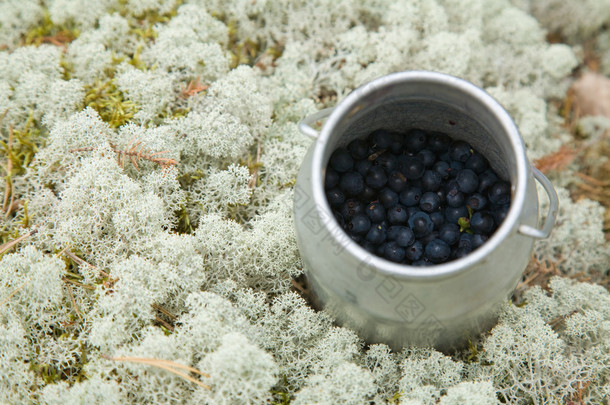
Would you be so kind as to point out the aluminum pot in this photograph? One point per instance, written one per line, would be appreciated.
(384, 302)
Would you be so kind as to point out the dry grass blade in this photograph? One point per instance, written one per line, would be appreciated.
(167, 365)
(8, 245)
(556, 161)
(194, 86)
(163, 311)
(73, 301)
(8, 189)
(88, 287)
(4, 301)
(136, 151)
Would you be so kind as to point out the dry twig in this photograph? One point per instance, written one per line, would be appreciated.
(167, 365)
(136, 151)
(14, 292)
(9, 245)
(73, 300)
(193, 87)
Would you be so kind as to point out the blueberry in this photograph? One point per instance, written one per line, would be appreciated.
(397, 181)
(341, 160)
(427, 156)
(415, 140)
(437, 218)
(376, 177)
(422, 263)
(477, 163)
(429, 202)
(360, 224)
(478, 239)
(455, 167)
(437, 251)
(442, 168)
(397, 214)
(500, 214)
(369, 246)
(402, 235)
(356, 238)
(453, 214)
(486, 180)
(376, 212)
(359, 149)
(461, 252)
(388, 161)
(363, 166)
(455, 198)
(449, 233)
(442, 196)
(460, 151)
(438, 142)
(482, 222)
(397, 143)
(431, 180)
(412, 167)
(476, 201)
(465, 240)
(339, 219)
(335, 197)
(421, 224)
(331, 179)
(467, 181)
(499, 193)
(351, 183)
(393, 252)
(380, 139)
(415, 251)
(388, 198)
(376, 234)
(410, 197)
(428, 238)
(350, 208)
(413, 210)
(367, 194)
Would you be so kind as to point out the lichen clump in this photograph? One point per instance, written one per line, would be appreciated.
(144, 281)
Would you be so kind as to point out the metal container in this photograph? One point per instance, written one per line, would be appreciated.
(400, 305)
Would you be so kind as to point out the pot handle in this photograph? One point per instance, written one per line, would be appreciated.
(305, 123)
(553, 207)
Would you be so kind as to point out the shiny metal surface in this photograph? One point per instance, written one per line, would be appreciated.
(403, 305)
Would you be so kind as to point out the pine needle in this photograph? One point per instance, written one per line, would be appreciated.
(167, 365)
(136, 151)
(8, 245)
(14, 292)
(73, 301)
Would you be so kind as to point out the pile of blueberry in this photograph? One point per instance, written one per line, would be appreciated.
(419, 198)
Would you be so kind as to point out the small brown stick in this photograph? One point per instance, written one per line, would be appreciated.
(165, 365)
(254, 178)
(165, 324)
(9, 245)
(136, 151)
(73, 301)
(595, 182)
(14, 292)
(8, 189)
(87, 286)
(194, 86)
(82, 262)
(163, 311)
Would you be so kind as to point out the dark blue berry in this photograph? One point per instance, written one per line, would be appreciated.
(341, 160)
(442, 168)
(482, 222)
(438, 142)
(398, 214)
(476, 201)
(455, 167)
(449, 233)
(351, 183)
(380, 139)
(442, 196)
(377, 234)
(413, 210)
(388, 161)
(356, 238)
(376, 178)
(486, 180)
(421, 224)
(402, 235)
(360, 224)
(428, 238)
(437, 251)
(397, 181)
(455, 198)
(415, 140)
(359, 149)
(465, 240)
(500, 213)
(388, 198)
(461, 252)
(331, 179)
(339, 219)
(369, 246)
(393, 252)
(422, 263)
(453, 214)
(412, 167)
(431, 180)
(478, 239)
(397, 143)
(427, 156)
(429, 202)
(467, 181)
(410, 197)
(460, 151)
(438, 219)
(350, 208)
(477, 163)
(363, 166)
(335, 197)
(499, 193)
(367, 194)
(415, 251)
(376, 212)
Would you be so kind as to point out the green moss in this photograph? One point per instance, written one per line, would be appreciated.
(106, 98)
(48, 32)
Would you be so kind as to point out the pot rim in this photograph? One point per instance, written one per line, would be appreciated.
(452, 268)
